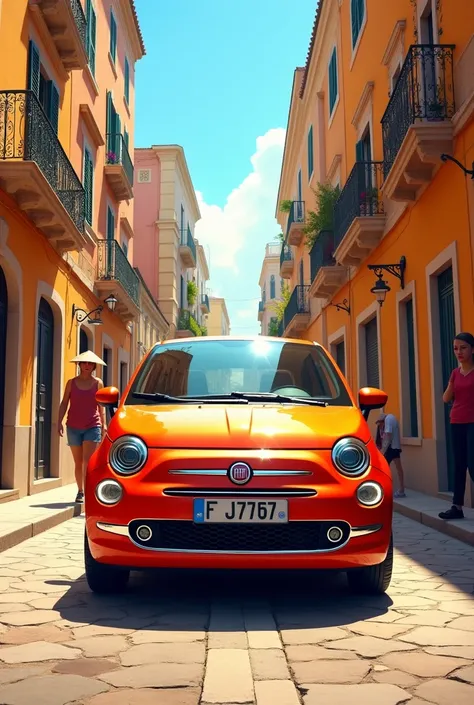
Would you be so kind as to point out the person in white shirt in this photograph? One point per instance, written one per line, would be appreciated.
(391, 447)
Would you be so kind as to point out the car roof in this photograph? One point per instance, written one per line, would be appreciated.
(204, 338)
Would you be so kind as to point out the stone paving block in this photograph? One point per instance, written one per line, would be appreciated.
(312, 636)
(404, 680)
(437, 636)
(169, 675)
(99, 646)
(366, 693)
(461, 652)
(30, 618)
(36, 652)
(25, 635)
(50, 690)
(465, 674)
(423, 665)
(228, 677)
(276, 692)
(382, 631)
(310, 652)
(330, 671)
(369, 646)
(85, 667)
(146, 696)
(192, 652)
(446, 692)
(227, 640)
(269, 664)
(463, 623)
(427, 619)
(12, 675)
(151, 636)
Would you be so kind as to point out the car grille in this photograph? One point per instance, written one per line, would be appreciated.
(250, 538)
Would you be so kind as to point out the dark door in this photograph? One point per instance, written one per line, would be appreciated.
(123, 376)
(3, 352)
(341, 357)
(447, 328)
(106, 375)
(44, 390)
(83, 341)
(372, 354)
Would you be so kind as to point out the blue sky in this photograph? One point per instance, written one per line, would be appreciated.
(217, 79)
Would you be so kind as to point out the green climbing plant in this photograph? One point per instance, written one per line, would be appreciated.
(286, 205)
(322, 218)
(192, 293)
(280, 305)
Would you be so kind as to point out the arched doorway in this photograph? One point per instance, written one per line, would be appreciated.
(44, 390)
(3, 355)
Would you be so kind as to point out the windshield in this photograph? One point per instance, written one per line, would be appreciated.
(219, 367)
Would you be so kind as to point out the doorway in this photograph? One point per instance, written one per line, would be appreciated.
(447, 331)
(3, 356)
(44, 390)
(83, 341)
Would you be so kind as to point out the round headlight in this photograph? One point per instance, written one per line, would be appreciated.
(128, 455)
(109, 492)
(369, 494)
(351, 457)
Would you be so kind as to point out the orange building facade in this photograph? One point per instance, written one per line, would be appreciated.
(387, 89)
(66, 218)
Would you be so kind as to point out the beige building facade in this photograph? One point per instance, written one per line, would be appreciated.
(218, 322)
(270, 283)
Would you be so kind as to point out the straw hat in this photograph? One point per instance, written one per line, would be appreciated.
(89, 356)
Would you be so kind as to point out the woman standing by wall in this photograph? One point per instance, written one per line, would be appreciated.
(460, 391)
(85, 423)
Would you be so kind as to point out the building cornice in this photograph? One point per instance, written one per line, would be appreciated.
(363, 102)
(397, 34)
(129, 13)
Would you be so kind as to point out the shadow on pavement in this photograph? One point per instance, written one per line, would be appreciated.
(56, 505)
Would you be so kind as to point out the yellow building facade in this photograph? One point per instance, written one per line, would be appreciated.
(67, 72)
(387, 89)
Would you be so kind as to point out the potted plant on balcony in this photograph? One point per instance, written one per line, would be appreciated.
(368, 201)
(280, 305)
(192, 292)
(323, 217)
(286, 206)
(111, 157)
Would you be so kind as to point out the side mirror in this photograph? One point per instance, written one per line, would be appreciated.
(371, 398)
(108, 397)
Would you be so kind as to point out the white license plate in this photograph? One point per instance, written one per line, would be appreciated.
(240, 511)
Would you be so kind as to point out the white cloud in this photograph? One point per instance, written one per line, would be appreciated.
(237, 233)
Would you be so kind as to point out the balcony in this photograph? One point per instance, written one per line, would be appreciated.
(187, 249)
(287, 262)
(416, 125)
(359, 216)
(64, 22)
(187, 325)
(261, 309)
(205, 305)
(297, 315)
(119, 167)
(36, 172)
(327, 276)
(296, 223)
(115, 275)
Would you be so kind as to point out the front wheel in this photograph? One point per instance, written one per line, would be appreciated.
(103, 578)
(375, 579)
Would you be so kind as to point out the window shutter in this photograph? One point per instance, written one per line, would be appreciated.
(113, 36)
(411, 368)
(110, 225)
(332, 81)
(53, 112)
(34, 69)
(93, 33)
(88, 184)
(126, 138)
(310, 151)
(360, 151)
(127, 81)
(372, 354)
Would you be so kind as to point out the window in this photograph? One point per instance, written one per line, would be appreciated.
(126, 138)
(408, 370)
(333, 88)
(272, 286)
(127, 81)
(83, 341)
(357, 18)
(113, 36)
(372, 354)
(91, 35)
(110, 224)
(310, 153)
(88, 182)
(44, 89)
(113, 129)
(125, 247)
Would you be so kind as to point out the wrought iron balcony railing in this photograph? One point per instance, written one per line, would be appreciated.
(117, 153)
(187, 240)
(112, 263)
(424, 91)
(80, 19)
(27, 134)
(186, 321)
(360, 197)
(298, 303)
(322, 252)
(205, 301)
(286, 254)
(296, 214)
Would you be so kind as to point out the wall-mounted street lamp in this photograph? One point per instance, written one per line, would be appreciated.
(343, 307)
(81, 315)
(448, 157)
(381, 287)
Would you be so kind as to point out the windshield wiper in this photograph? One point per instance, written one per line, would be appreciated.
(270, 396)
(158, 397)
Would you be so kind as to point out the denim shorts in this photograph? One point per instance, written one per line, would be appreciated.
(77, 436)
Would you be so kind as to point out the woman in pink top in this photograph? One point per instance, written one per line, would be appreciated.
(85, 423)
(460, 391)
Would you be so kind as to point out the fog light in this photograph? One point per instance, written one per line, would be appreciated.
(369, 494)
(144, 533)
(109, 492)
(334, 534)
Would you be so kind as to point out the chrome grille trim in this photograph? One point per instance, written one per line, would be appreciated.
(256, 473)
(238, 493)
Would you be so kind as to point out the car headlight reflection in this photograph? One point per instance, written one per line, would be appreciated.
(370, 493)
(128, 455)
(351, 457)
(109, 492)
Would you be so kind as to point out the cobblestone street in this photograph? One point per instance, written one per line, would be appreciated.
(189, 639)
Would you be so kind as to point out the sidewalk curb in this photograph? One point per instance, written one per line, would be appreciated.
(453, 529)
(23, 533)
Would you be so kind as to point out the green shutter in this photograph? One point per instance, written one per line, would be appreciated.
(127, 81)
(332, 81)
(88, 185)
(113, 36)
(53, 108)
(110, 224)
(411, 368)
(360, 151)
(34, 69)
(310, 152)
(126, 139)
(91, 35)
(357, 17)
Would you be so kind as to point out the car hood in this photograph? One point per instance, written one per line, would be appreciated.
(219, 426)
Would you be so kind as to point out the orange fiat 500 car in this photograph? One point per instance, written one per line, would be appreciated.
(244, 453)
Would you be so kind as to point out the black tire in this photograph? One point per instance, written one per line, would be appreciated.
(103, 578)
(375, 579)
